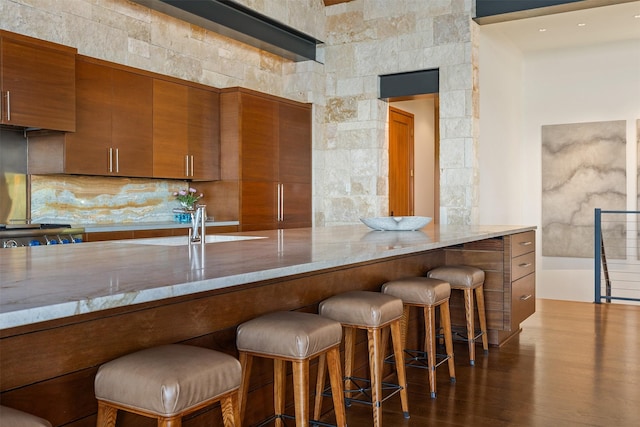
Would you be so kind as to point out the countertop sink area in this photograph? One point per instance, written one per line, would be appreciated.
(184, 240)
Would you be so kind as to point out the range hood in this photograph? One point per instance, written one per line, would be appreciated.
(240, 23)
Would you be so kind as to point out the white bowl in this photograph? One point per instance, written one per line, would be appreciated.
(396, 223)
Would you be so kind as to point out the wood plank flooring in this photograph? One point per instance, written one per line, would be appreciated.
(574, 364)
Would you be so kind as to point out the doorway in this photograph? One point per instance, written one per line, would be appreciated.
(401, 163)
(425, 194)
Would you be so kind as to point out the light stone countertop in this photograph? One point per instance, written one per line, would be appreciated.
(50, 282)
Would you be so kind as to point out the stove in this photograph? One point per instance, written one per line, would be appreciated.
(16, 235)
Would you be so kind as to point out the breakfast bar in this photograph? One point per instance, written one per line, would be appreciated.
(66, 310)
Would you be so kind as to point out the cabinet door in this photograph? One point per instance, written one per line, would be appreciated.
(204, 128)
(170, 129)
(259, 136)
(258, 205)
(132, 123)
(38, 85)
(294, 149)
(295, 205)
(87, 150)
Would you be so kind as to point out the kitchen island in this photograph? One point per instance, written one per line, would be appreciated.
(65, 310)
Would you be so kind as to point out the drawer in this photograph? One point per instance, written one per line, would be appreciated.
(523, 243)
(523, 265)
(523, 299)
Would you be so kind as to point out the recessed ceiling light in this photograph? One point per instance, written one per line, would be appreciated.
(542, 30)
(636, 16)
(582, 24)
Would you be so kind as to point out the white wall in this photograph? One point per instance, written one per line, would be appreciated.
(519, 93)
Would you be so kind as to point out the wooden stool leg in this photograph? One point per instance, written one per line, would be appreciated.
(170, 422)
(430, 344)
(445, 317)
(482, 316)
(405, 324)
(335, 376)
(245, 362)
(349, 353)
(106, 415)
(468, 311)
(279, 389)
(301, 392)
(230, 410)
(374, 338)
(320, 380)
(398, 350)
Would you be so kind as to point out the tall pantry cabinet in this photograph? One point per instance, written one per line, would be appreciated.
(266, 158)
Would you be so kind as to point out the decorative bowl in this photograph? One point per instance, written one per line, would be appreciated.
(396, 223)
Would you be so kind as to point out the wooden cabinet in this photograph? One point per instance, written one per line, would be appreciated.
(114, 133)
(185, 132)
(134, 123)
(37, 83)
(114, 125)
(266, 148)
(509, 287)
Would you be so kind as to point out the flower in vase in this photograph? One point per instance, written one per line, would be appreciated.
(187, 197)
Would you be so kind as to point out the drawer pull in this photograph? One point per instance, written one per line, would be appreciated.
(525, 264)
(525, 297)
(526, 243)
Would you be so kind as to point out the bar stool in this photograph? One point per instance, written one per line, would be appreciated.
(15, 418)
(289, 336)
(467, 279)
(370, 311)
(168, 382)
(427, 294)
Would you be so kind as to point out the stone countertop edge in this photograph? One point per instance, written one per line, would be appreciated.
(96, 228)
(16, 311)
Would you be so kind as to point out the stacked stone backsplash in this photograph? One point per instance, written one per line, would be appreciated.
(102, 200)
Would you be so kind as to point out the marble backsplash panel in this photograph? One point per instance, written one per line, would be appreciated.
(102, 200)
(583, 168)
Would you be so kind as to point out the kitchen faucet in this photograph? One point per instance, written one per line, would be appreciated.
(197, 232)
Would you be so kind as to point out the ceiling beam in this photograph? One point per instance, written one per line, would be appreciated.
(240, 23)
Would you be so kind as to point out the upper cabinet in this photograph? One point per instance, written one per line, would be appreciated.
(37, 83)
(186, 141)
(266, 148)
(114, 132)
(134, 123)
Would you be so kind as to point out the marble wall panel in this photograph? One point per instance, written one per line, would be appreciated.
(84, 200)
(583, 168)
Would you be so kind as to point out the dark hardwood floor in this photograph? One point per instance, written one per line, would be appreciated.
(574, 364)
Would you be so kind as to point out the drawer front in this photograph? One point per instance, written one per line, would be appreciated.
(523, 243)
(523, 299)
(523, 265)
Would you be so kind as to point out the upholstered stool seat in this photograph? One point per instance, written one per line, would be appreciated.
(468, 279)
(427, 294)
(370, 311)
(14, 418)
(168, 382)
(297, 338)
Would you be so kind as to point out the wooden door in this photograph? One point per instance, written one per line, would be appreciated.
(132, 123)
(38, 81)
(170, 129)
(87, 149)
(259, 129)
(204, 128)
(400, 162)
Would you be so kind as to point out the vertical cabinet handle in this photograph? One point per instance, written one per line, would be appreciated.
(8, 106)
(110, 159)
(281, 202)
(191, 158)
(186, 165)
(278, 202)
(117, 160)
